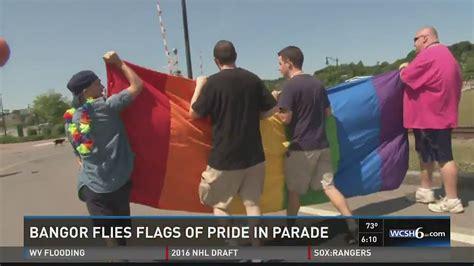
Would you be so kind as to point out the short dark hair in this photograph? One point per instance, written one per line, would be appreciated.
(224, 51)
(293, 54)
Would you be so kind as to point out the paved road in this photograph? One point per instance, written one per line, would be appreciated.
(38, 178)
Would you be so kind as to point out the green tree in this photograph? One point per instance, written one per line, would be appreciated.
(30, 120)
(50, 107)
(276, 84)
(459, 48)
(411, 55)
(467, 64)
(332, 75)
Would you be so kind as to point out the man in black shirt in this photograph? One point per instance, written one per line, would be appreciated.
(236, 100)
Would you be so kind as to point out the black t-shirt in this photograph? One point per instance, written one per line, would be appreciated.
(234, 98)
(306, 97)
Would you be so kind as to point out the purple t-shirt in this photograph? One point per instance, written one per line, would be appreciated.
(306, 97)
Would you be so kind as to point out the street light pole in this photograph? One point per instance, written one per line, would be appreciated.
(186, 39)
(333, 59)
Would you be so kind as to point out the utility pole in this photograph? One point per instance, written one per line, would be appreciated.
(3, 116)
(186, 39)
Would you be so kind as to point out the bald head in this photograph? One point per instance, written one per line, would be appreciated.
(428, 30)
(425, 37)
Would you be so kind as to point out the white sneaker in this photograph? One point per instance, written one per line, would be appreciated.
(424, 195)
(447, 205)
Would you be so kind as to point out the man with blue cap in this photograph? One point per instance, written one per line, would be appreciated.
(97, 134)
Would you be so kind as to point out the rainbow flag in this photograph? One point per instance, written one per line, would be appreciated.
(369, 144)
(171, 149)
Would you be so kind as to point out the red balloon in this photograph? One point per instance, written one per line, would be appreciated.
(4, 52)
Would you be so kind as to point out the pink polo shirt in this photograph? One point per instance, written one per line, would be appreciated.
(433, 90)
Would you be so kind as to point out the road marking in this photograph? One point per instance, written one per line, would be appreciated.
(43, 144)
(29, 161)
(464, 238)
(318, 212)
(458, 237)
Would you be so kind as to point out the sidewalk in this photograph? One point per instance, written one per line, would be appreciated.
(464, 179)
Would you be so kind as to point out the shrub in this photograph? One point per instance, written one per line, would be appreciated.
(12, 139)
(46, 131)
(32, 132)
(9, 139)
(58, 130)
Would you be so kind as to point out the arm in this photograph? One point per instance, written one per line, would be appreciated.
(417, 74)
(200, 82)
(285, 116)
(326, 103)
(136, 84)
(328, 112)
(268, 104)
(269, 113)
(285, 105)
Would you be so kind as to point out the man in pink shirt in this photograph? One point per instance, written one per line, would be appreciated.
(430, 108)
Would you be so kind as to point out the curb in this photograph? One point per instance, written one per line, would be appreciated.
(465, 180)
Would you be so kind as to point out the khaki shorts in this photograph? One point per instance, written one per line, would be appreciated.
(218, 188)
(304, 169)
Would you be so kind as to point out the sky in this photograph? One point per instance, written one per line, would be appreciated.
(50, 40)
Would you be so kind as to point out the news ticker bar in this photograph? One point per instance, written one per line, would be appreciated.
(219, 231)
(236, 254)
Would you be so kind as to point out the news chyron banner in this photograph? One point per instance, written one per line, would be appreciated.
(165, 238)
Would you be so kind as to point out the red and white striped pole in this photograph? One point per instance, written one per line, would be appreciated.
(163, 36)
